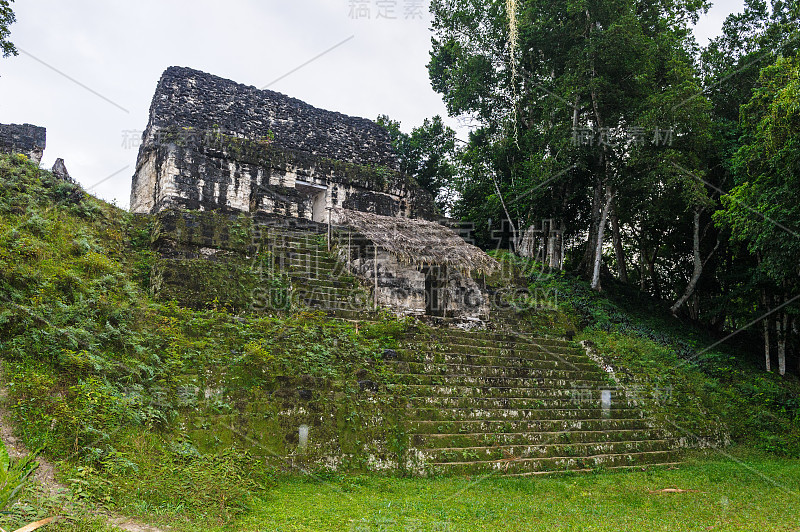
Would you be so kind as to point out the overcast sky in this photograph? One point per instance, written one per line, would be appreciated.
(88, 69)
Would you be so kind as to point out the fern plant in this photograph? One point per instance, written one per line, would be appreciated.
(13, 474)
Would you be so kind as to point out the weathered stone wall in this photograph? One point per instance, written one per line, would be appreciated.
(215, 144)
(26, 139)
(203, 258)
(403, 287)
(194, 99)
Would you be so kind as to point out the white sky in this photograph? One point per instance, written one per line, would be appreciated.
(116, 50)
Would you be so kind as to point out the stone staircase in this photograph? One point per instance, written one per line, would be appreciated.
(482, 402)
(316, 278)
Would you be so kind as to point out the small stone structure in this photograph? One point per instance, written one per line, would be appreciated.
(26, 139)
(60, 170)
(416, 266)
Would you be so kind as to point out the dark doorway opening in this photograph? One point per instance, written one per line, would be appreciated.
(435, 290)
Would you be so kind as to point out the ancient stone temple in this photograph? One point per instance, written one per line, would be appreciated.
(26, 139)
(215, 145)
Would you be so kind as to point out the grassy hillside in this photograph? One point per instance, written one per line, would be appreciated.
(112, 383)
(139, 400)
(708, 390)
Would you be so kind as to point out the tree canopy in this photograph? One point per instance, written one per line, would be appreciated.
(7, 18)
(664, 165)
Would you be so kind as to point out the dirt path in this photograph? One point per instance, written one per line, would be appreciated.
(45, 474)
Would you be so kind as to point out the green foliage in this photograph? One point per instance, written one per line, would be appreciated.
(762, 211)
(13, 474)
(7, 18)
(122, 387)
(156, 478)
(705, 394)
(427, 154)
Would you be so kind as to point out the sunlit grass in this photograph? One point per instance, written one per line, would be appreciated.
(756, 493)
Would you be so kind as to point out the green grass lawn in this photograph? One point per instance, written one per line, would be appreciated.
(746, 492)
(728, 496)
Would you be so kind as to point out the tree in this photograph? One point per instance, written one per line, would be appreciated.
(427, 154)
(763, 211)
(733, 64)
(608, 67)
(7, 18)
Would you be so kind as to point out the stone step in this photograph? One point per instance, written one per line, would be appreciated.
(332, 303)
(505, 392)
(544, 393)
(517, 426)
(574, 401)
(279, 244)
(516, 350)
(551, 450)
(520, 414)
(532, 370)
(336, 305)
(330, 292)
(536, 465)
(321, 259)
(356, 303)
(293, 233)
(645, 467)
(492, 381)
(492, 338)
(314, 271)
(531, 361)
(331, 282)
(482, 439)
(354, 315)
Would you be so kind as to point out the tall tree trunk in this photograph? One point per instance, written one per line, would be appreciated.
(782, 323)
(794, 331)
(598, 255)
(622, 264)
(651, 267)
(767, 359)
(642, 267)
(698, 264)
(591, 243)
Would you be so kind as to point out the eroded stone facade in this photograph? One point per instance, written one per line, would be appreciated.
(214, 144)
(26, 139)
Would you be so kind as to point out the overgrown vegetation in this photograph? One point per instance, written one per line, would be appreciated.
(113, 383)
(604, 129)
(181, 414)
(704, 388)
